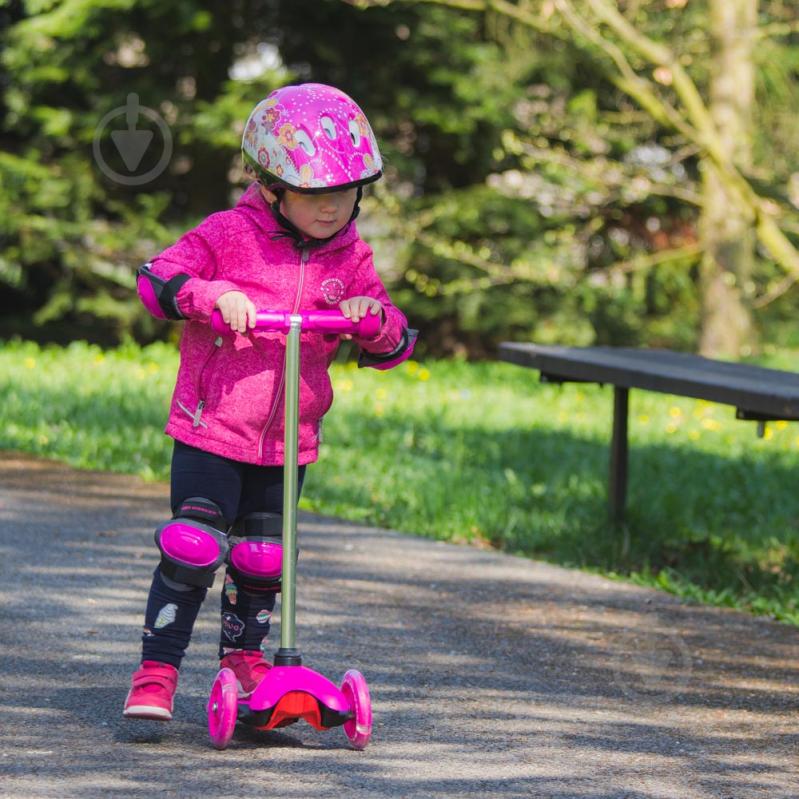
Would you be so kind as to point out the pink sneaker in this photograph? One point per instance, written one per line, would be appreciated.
(152, 690)
(249, 667)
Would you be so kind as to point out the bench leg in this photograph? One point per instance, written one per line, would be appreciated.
(617, 487)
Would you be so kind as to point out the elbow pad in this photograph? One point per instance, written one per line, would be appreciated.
(159, 296)
(387, 360)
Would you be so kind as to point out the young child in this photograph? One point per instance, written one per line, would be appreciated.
(289, 244)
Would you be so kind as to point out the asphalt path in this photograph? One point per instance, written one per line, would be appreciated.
(491, 675)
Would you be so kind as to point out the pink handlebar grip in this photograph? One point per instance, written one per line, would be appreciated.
(333, 322)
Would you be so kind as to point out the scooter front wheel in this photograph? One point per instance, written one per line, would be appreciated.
(359, 728)
(223, 708)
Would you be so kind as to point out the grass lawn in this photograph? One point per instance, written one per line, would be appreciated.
(474, 452)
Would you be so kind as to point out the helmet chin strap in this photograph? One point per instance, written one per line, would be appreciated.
(301, 241)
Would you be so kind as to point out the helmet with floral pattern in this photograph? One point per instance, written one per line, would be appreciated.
(310, 138)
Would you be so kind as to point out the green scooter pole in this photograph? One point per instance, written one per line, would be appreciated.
(288, 654)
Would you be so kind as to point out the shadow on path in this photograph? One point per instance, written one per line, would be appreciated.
(490, 675)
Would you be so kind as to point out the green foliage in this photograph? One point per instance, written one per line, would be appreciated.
(610, 176)
(554, 236)
(72, 235)
(526, 195)
(479, 453)
(776, 156)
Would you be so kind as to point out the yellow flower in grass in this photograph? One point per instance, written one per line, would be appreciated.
(693, 435)
(703, 408)
(424, 374)
(411, 367)
(671, 428)
(710, 424)
(345, 385)
(30, 363)
(781, 424)
(675, 412)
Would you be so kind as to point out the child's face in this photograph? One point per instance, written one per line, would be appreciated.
(319, 215)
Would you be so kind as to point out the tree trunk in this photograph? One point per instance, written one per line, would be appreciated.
(726, 231)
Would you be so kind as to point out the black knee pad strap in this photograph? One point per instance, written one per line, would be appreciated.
(204, 510)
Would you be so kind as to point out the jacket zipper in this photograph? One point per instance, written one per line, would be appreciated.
(196, 419)
(272, 413)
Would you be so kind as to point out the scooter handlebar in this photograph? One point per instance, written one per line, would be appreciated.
(331, 322)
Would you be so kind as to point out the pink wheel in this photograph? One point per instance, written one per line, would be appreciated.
(223, 707)
(356, 691)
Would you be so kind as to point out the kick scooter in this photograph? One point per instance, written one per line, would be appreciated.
(290, 691)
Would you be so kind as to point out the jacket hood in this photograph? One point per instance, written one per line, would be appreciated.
(254, 206)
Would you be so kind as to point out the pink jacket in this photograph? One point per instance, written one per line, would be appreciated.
(228, 398)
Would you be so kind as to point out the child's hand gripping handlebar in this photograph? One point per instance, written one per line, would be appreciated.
(331, 322)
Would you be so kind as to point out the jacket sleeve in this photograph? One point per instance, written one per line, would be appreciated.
(395, 341)
(180, 282)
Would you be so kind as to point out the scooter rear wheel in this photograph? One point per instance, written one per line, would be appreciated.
(356, 691)
(223, 708)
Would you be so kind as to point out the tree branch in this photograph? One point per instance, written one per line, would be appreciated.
(629, 81)
(538, 23)
(703, 132)
(644, 262)
(775, 292)
(777, 29)
(699, 129)
(661, 56)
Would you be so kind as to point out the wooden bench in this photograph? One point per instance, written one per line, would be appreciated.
(757, 393)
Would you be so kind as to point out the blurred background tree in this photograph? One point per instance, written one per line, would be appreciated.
(72, 231)
(686, 87)
(550, 174)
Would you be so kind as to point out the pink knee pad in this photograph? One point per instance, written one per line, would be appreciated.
(259, 562)
(191, 551)
(256, 551)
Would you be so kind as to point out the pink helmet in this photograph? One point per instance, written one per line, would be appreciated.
(310, 138)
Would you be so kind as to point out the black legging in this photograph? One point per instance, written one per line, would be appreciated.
(238, 489)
